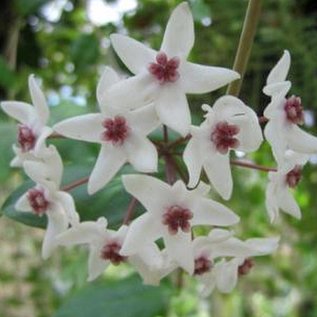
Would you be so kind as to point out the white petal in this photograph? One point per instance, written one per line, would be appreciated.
(151, 256)
(280, 70)
(228, 276)
(22, 203)
(142, 154)
(278, 91)
(193, 160)
(200, 79)
(40, 145)
(219, 235)
(132, 93)
(143, 230)
(87, 127)
(144, 120)
(301, 141)
(135, 55)
(288, 204)
(67, 201)
(96, 265)
(21, 111)
(38, 100)
(271, 200)
(218, 171)
(108, 78)
(109, 161)
(232, 247)
(262, 246)
(172, 108)
(179, 33)
(84, 233)
(179, 248)
(153, 193)
(54, 164)
(275, 134)
(209, 212)
(57, 223)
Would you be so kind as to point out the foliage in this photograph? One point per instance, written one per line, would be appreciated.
(68, 55)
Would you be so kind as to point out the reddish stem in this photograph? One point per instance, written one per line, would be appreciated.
(75, 184)
(253, 166)
(56, 135)
(130, 211)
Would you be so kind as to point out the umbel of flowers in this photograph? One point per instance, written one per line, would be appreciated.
(129, 110)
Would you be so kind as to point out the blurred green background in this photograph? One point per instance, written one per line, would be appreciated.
(66, 44)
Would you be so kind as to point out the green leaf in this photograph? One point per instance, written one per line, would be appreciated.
(125, 298)
(28, 7)
(111, 202)
(7, 76)
(85, 51)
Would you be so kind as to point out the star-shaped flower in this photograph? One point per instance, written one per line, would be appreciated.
(47, 199)
(224, 274)
(121, 133)
(229, 125)
(278, 195)
(171, 213)
(284, 115)
(32, 130)
(104, 248)
(165, 77)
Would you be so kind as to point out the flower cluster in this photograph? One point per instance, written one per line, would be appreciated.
(130, 110)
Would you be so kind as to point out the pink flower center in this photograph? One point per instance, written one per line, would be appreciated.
(165, 70)
(116, 130)
(223, 137)
(293, 177)
(26, 138)
(176, 218)
(110, 252)
(294, 110)
(245, 267)
(37, 201)
(202, 265)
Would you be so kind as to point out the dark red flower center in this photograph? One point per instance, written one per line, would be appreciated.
(176, 218)
(202, 265)
(164, 70)
(26, 138)
(38, 201)
(294, 110)
(110, 252)
(223, 136)
(116, 130)
(293, 177)
(245, 267)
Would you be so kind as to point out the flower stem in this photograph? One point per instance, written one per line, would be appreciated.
(75, 184)
(245, 44)
(252, 166)
(56, 135)
(130, 211)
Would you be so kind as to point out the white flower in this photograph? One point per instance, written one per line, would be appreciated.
(224, 274)
(165, 77)
(284, 115)
(171, 212)
(32, 130)
(104, 248)
(278, 195)
(122, 135)
(229, 125)
(46, 198)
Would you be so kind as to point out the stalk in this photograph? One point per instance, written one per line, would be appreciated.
(245, 44)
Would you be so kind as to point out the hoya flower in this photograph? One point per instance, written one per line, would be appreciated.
(47, 199)
(229, 125)
(32, 129)
(171, 213)
(165, 77)
(285, 114)
(278, 194)
(121, 133)
(104, 248)
(224, 274)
